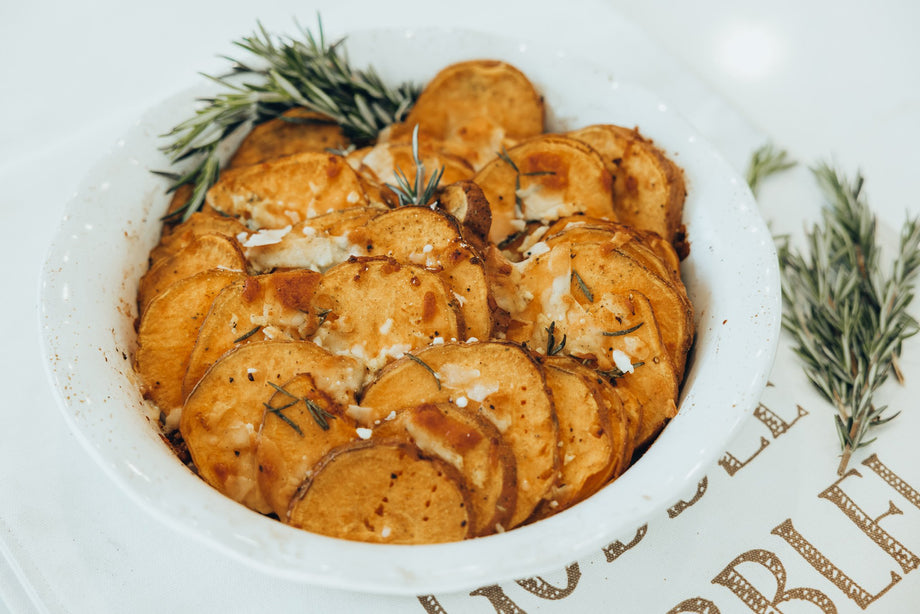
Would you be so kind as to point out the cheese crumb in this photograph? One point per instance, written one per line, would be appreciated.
(462, 402)
(364, 433)
(622, 361)
(385, 532)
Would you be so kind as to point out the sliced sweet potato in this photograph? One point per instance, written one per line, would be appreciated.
(166, 335)
(499, 380)
(316, 244)
(297, 130)
(473, 446)
(271, 306)
(208, 251)
(476, 107)
(589, 451)
(221, 417)
(301, 424)
(431, 239)
(543, 179)
(465, 201)
(648, 191)
(384, 492)
(378, 309)
(287, 190)
(199, 223)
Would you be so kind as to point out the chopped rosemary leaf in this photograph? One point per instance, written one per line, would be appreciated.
(583, 286)
(414, 358)
(277, 411)
(619, 333)
(552, 348)
(847, 316)
(320, 415)
(614, 373)
(248, 334)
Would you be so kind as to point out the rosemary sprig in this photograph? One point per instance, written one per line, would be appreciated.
(553, 348)
(847, 317)
(766, 161)
(247, 334)
(418, 192)
(277, 411)
(615, 372)
(308, 72)
(518, 201)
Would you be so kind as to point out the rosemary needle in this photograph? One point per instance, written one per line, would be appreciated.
(847, 316)
(765, 162)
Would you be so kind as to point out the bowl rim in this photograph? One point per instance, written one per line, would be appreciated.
(541, 547)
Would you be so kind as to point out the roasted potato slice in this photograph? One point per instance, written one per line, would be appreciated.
(648, 191)
(221, 417)
(473, 446)
(272, 306)
(466, 202)
(295, 131)
(301, 424)
(433, 240)
(208, 251)
(590, 449)
(475, 107)
(199, 223)
(287, 190)
(316, 244)
(166, 335)
(384, 492)
(543, 179)
(497, 379)
(378, 309)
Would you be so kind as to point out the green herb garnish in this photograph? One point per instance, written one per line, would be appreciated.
(620, 333)
(306, 72)
(766, 161)
(414, 358)
(582, 286)
(552, 348)
(847, 316)
(417, 192)
(248, 334)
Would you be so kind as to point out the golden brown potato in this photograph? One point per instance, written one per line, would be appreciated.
(297, 130)
(543, 179)
(272, 306)
(288, 190)
(221, 417)
(589, 451)
(301, 424)
(166, 335)
(499, 380)
(473, 446)
(648, 191)
(465, 201)
(384, 492)
(208, 251)
(377, 309)
(475, 107)
(199, 223)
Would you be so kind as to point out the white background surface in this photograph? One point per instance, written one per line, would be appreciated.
(826, 80)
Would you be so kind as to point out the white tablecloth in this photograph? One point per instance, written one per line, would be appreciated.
(826, 81)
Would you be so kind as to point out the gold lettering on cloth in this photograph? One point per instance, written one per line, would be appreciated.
(754, 599)
(544, 590)
(900, 486)
(827, 569)
(892, 547)
(695, 605)
(431, 604)
(675, 510)
(499, 600)
(616, 549)
(777, 427)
